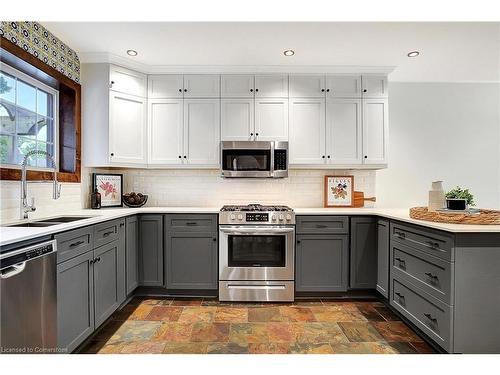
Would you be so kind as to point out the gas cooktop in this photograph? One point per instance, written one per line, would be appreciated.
(255, 207)
(256, 214)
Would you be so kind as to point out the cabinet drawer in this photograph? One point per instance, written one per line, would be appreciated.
(432, 274)
(437, 243)
(190, 223)
(322, 224)
(73, 243)
(432, 316)
(107, 232)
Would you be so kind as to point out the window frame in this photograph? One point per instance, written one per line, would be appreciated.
(4, 67)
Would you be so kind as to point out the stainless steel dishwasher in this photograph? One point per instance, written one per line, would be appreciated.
(28, 299)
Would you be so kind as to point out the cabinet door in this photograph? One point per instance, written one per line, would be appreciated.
(271, 119)
(132, 253)
(383, 257)
(271, 86)
(106, 281)
(307, 86)
(75, 301)
(127, 81)
(165, 131)
(343, 86)
(307, 131)
(237, 119)
(321, 263)
(363, 253)
(151, 250)
(343, 131)
(127, 129)
(201, 131)
(237, 86)
(165, 86)
(191, 260)
(374, 87)
(375, 131)
(201, 86)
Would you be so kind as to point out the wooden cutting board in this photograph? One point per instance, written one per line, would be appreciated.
(359, 199)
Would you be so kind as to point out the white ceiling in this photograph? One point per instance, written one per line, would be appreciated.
(450, 52)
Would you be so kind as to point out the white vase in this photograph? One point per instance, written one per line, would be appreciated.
(436, 197)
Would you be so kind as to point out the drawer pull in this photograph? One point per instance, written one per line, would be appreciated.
(400, 260)
(321, 226)
(399, 295)
(431, 275)
(106, 234)
(433, 245)
(400, 234)
(191, 223)
(76, 243)
(429, 316)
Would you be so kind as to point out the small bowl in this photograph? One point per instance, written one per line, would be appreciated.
(136, 205)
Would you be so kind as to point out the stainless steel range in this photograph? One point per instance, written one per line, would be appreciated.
(256, 253)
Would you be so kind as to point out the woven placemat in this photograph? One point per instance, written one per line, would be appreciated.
(485, 217)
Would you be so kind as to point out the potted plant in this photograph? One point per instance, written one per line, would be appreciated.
(459, 199)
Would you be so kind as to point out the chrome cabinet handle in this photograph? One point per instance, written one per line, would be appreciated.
(76, 243)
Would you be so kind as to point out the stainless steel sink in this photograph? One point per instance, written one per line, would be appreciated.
(34, 224)
(65, 219)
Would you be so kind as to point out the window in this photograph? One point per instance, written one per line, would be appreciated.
(28, 119)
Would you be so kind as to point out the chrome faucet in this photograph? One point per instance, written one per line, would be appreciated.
(56, 191)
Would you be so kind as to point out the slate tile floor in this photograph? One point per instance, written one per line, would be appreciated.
(198, 326)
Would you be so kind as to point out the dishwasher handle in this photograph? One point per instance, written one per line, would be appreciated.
(13, 270)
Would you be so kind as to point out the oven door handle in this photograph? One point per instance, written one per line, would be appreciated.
(253, 230)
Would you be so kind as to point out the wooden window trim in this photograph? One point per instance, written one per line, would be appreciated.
(69, 112)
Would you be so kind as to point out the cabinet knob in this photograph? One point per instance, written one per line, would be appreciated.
(185, 90)
(365, 90)
(366, 156)
(112, 154)
(251, 134)
(298, 241)
(327, 90)
(185, 157)
(322, 90)
(214, 239)
(180, 90)
(323, 156)
(111, 83)
(251, 90)
(180, 157)
(328, 156)
(256, 134)
(256, 90)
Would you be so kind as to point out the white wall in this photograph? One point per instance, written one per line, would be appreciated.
(442, 131)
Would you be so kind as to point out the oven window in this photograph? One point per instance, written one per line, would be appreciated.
(256, 251)
(246, 160)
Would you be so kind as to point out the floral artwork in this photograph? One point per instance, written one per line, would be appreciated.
(110, 186)
(339, 191)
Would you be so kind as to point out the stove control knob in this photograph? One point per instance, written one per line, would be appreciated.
(232, 216)
(288, 217)
(273, 218)
(240, 217)
(281, 218)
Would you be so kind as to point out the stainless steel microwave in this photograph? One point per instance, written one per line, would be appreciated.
(254, 159)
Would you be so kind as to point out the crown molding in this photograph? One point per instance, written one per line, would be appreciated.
(104, 57)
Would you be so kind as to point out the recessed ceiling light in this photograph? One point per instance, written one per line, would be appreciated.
(413, 54)
(289, 52)
(131, 52)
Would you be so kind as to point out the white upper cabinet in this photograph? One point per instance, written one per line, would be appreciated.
(165, 124)
(127, 129)
(343, 131)
(165, 86)
(271, 119)
(343, 86)
(271, 86)
(237, 119)
(374, 86)
(375, 131)
(127, 81)
(237, 86)
(201, 131)
(307, 131)
(201, 86)
(307, 86)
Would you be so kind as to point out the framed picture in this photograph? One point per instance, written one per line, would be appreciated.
(111, 188)
(339, 191)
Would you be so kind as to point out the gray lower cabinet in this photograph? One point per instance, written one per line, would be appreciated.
(321, 263)
(383, 257)
(132, 253)
(75, 301)
(151, 250)
(363, 253)
(108, 286)
(191, 255)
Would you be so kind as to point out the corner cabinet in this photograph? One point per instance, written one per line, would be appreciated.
(151, 250)
(363, 262)
(113, 116)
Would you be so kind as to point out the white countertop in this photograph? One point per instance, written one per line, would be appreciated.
(10, 235)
